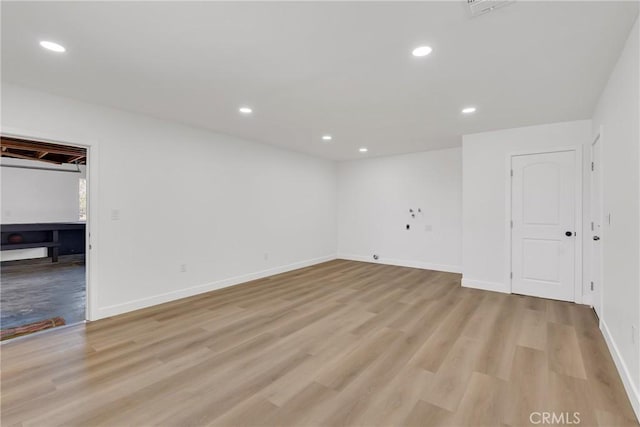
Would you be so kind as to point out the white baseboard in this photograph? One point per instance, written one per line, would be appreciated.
(403, 263)
(113, 310)
(627, 380)
(486, 286)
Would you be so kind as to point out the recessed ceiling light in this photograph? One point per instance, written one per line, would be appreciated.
(327, 137)
(364, 149)
(468, 110)
(422, 51)
(245, 110)
(55, 47)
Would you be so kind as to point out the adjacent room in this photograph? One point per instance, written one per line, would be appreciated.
(312, 213)
(44, 213)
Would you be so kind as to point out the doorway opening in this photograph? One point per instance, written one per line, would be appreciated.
(43, 236)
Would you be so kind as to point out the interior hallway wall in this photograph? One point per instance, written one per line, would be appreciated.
(182, 210)
(484, 192)
(617, 115)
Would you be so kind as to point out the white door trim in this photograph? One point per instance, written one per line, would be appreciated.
(91, 249)
(578, 292)
(599, 281)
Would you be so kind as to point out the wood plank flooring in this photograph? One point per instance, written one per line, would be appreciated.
(341, 343)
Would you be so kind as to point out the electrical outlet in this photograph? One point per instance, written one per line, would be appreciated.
(183, 268)
(266, 256)
(633, 333)
(115, 214)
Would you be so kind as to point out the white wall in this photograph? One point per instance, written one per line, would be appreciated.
(618, 114)
(374, 198)
(230, 209)
(29, 195)
(484, 192)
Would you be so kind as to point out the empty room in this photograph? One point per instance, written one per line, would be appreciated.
(320, 213)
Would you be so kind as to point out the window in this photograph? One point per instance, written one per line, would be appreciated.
(82, 193)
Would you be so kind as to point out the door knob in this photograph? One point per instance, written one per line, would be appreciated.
(568, 234)
(596, 238)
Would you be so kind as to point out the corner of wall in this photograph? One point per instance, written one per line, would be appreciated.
(403, 263)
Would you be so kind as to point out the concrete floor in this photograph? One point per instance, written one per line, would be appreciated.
(33, 290)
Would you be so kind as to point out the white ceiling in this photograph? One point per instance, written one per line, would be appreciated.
(311, 68)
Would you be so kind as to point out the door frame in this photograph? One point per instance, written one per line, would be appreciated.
(91, 236)
(600, 280)
(577, 149)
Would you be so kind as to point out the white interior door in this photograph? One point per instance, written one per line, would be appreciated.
(596, 226)
(543, 211)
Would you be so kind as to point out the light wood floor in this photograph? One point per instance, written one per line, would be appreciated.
(341, 343)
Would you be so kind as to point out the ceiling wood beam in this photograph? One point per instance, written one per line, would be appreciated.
(22, 156)
(75, 159)
(41, 147)
(42, 151)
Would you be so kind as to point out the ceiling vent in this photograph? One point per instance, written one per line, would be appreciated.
(480, 7)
